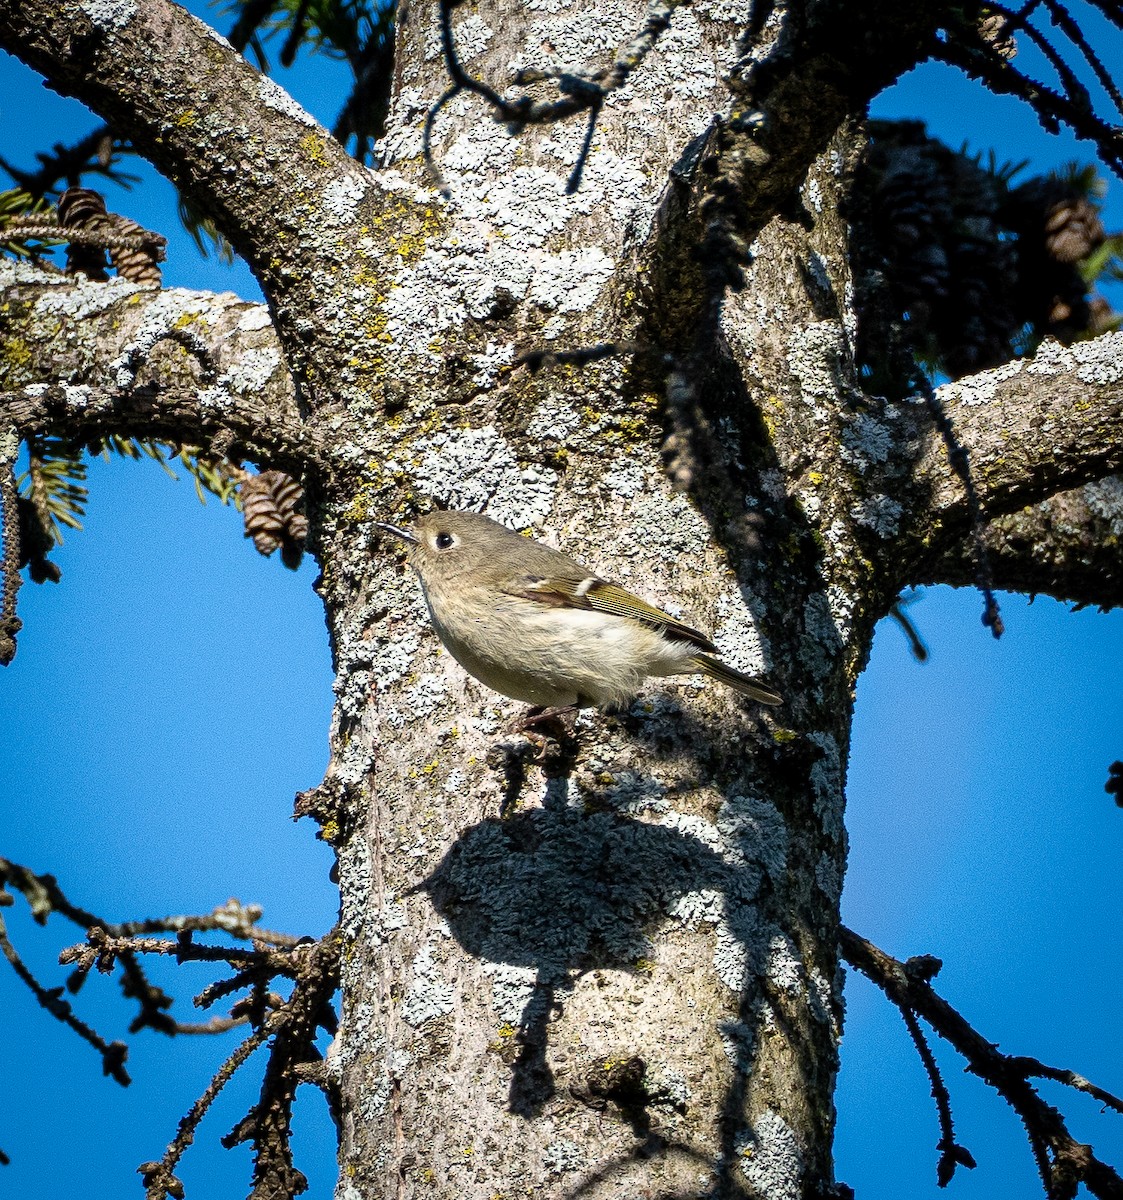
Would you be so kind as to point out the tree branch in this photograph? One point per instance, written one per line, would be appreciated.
(247, 153)
(799, 80)
(185, 367)
(1068, 547)
(1030, 429)
(1062, 1161)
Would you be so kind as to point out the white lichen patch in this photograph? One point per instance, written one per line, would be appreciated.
(828, 875)
(393, 661)
(476, 468)
(866, 440)
(512, 988)
(666, 524)
(489, 180)
(339, 201)
(109, 14)
(404, 127)
(562, 1156)
(1101, 360)
(669, 1083)
(785, 968)
(450, 283)
(252, 371)
(737, 1042)
(770, 1158)
(814, 354)
(631, 792)
(554, 420)
(981, 388)
(820, 1001)
(753, 831)
(1105, 499)
(628, 476)
(879, 513)
(821, 638)
(571, 281)
(254, 318)
(842, 602)
(692, 826)
(739, 641)
(488, 365)
(424, 697)
(472, 36)
(827, 782)
(737, 12)
(813, 195)
(1097, 362)
(697, 907)
(273, 96)
(76, 395)
(429, 995)
(85, 298)
(737, 947)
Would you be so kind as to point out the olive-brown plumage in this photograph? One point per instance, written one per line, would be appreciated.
(534, 624)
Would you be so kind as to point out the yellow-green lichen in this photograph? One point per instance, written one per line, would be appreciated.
(15, 352)
(313, 147)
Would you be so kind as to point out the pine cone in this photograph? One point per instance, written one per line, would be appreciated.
(83, 208)
(137, 264)
(994, 29)
(1073, 229)
(271, 508)
(35, 541)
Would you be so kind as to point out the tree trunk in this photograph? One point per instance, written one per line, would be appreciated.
(613, 972)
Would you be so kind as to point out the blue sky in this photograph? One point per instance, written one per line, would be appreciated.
(173, 693)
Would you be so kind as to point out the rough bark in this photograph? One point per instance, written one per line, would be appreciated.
(97, 359)
(668, 892)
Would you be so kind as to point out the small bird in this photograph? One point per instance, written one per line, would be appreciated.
(535, 625)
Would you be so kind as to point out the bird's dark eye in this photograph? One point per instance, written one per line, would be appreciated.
(444, 540)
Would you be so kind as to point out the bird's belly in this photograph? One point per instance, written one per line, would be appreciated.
(560, 656)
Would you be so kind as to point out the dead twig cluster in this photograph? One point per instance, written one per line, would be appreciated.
(291, 1024)
(1062, 1162)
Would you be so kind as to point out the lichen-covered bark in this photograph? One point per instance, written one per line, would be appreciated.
(95, 359)
(666, 895)
(1069, 547)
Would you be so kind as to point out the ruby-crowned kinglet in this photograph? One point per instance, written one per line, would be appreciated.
(533, 624)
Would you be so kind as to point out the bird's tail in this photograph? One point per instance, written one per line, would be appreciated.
(745, 684)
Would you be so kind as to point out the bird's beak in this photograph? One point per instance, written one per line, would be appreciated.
(404, 534)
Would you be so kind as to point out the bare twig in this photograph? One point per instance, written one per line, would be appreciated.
(577, 91)
(159, 1180)
(1063, 1162)
(113, 1054)
(43, 228)
(293, 1060)
(1052, 108)
(952, 1154)
(10, 559)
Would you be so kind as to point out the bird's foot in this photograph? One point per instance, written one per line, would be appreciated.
(556, 718)
(551, 731)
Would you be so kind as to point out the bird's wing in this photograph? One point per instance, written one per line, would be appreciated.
(589, 592)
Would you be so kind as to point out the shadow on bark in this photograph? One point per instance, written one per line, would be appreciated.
(563, 891)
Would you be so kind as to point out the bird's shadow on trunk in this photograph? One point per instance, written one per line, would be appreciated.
(561, 891)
